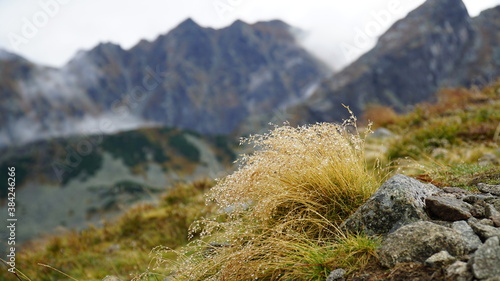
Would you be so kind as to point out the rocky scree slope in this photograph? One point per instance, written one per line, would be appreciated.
(450, 232)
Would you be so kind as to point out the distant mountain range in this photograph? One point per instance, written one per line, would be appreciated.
(201, 79)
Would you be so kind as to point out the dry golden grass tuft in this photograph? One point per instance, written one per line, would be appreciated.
(314, 172)
(282, 209)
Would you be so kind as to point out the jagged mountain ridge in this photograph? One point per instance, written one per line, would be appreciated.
(438, 45)
(193, 78)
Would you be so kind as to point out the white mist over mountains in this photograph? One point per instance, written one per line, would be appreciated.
(337, 32)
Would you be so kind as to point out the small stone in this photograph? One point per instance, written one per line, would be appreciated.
(495, 201)
(489, 188)
(496, 221)
(479, 209)
(447, 195)
(458, 271)
(381, 133)
(496, 278)
(337, 274)
(487, 259)
(486, 222)
(484, 231)
(456, 190)
(472, 241)
(440, 259)
(472, 199)
(492, 213)
(446, 208)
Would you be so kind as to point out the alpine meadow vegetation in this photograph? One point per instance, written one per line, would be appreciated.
(282, 209)
(277, 216)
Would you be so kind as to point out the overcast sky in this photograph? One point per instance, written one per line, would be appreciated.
(51, 31)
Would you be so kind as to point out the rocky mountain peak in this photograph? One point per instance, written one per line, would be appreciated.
(493, 12)
(490, 17)
(187, 28)
(238, 24)
(188, 23)
(443, 9)
(435, 46)
(106, 49)
(438, 17)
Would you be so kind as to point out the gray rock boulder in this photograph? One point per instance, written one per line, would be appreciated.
(472, 241)
(448, 208)
(489, 188)
(484, 231)
(487, 259)
(399, 201)
(418, 241)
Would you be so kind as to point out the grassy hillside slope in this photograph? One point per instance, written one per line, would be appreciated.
(276, 217)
